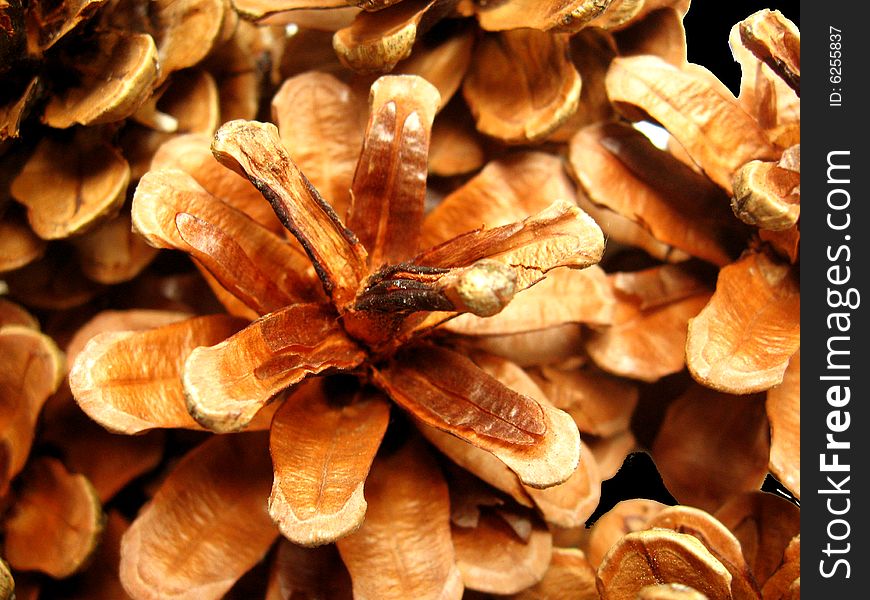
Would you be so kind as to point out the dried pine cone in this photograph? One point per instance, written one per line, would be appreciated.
(371, 299)
(682, 342)
(105, 83)
(60, 467)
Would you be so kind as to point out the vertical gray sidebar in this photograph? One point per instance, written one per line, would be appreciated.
(835, 368)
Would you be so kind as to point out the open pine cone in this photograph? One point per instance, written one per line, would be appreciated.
(370, 307)
(94, 88)
(383, 352)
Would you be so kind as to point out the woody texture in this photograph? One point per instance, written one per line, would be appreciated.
(389, 299)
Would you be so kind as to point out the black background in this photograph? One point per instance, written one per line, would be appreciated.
(708, 24)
